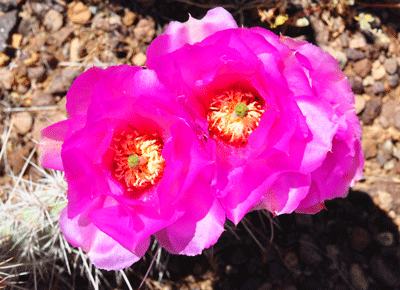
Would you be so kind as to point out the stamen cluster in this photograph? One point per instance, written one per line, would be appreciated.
(137, 176)
(234, 114)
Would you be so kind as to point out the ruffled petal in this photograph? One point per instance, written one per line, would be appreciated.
(200, 227)
(178, 34)
(130, 226)
(104, 252)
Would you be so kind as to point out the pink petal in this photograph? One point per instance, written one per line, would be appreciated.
(130, 226)
(200, 227)
(103, 251)
(178, 34)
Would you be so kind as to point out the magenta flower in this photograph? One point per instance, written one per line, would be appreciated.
(134, 169)
(279, 111)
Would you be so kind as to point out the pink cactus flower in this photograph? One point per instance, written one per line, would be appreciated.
(134, 168)
(279, 111)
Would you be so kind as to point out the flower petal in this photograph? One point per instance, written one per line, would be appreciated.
(103, 251)
(200, 227)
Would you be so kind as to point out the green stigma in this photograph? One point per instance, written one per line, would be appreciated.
(133, 161)
(241, 110)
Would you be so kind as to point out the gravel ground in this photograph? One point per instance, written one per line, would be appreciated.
(45, 45)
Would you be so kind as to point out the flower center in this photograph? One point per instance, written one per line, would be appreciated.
(138, 163)
(234, 115)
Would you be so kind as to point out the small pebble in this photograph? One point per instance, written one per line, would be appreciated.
(385, 238)
(378, 88)
(368, 81)
(393, 80)
(396, 151)
(145, 30)
(378, 73)
(139, 59)
(389, 165)
(369, 147)
(354, 54)
(53, 20)
(362, 67)
(396, 118)
(23, 122)
(359, 103)
(390, 65)
(356, 84)
(385, 200)
(358, 279)
(357, 41)
(78, 12)
(387, 147)
(381, 158)
(372, 110)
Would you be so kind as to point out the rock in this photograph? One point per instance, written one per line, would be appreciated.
(381, 159)
(6, 78)
(23, 122)
(393, 80)
(16, 40)
(308, 250)
(4, 58)
(389, 165)
(145, 30)
(61, 36)
(39, 8)
(354, 54)
(372, 110)
(356, 84)
(386, 239)
(378, 73)
(368, 81)
(37, 73)
(378, 88)
(360, 239)
(75, 50)
(387, 147)
(359, 103)
(362, 67)
(396, 151)
(344, 39)
(78, 12)
(17, 158)
(390, 65)
(40, 98)
(357, 41)
(390, 113)
(7, 22)
(385, 200)
(332, 253)
(139, 59)
(358, 278)
(63, 79)
(397, 120)
(292, 261)
(388, 276)
(53, 20)
(129, 18)
(7, 5)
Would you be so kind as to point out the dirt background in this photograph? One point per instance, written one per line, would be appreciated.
(45, 45)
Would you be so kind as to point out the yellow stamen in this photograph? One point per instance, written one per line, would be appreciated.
(234, 115)
(138, 163)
